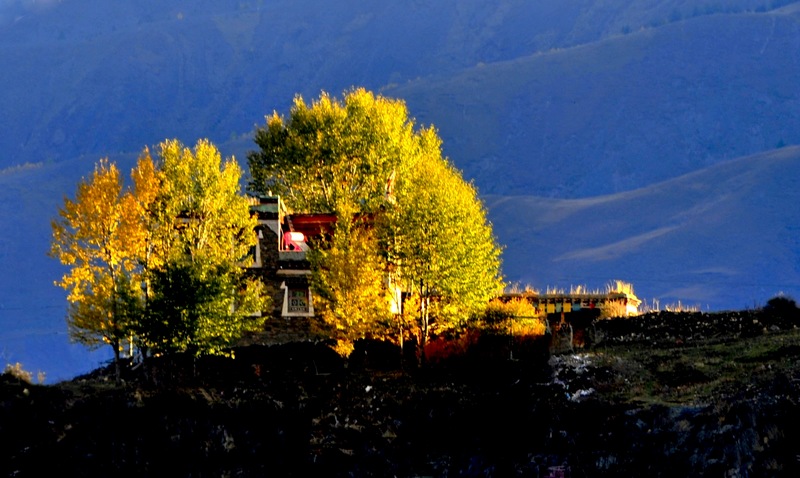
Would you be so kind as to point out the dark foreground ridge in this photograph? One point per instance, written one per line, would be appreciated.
(660, 395)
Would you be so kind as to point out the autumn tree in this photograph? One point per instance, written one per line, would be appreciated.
(438, 235)
(159, 264)
(349, 275)
(199, 232)
(333, 152)
(363, 154)
(89, 237)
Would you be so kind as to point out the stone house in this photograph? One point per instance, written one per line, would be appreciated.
(279, 258)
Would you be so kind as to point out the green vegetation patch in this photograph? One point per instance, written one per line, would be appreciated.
(700, 374)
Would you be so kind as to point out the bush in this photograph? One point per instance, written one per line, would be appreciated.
(781, 311)
(442, 348)
(21, 374)
(516, 317)
(781, 305)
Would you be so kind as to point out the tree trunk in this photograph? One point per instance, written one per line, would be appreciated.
(117, 367)
(423, 330)
(402, 351)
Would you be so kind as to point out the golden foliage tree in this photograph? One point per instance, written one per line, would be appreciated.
(442, 242)
(159, 263)
(362, 155)
(90, 237)
(333, 152)
(349, 280)
(199, 232)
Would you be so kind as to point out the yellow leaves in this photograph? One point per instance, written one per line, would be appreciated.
(113, 240)
(334, 151)
(147, 186)
(205, 230)
(337, 155)
(517, 317)
(92, 218)
(440, 234)
(344, 347)
(86, 236)
(253, 297)
(349, 281)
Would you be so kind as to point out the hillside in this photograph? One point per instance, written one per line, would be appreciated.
(725, 237)
(88, 78)
(715, 238)
(665, 395)
(621, 113)
(583, 109)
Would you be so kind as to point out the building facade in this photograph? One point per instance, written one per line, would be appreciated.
(279, 258)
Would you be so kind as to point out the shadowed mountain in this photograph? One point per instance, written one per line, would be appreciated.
(722, 237)
(32, 309)
(621, 113)
(91, 78)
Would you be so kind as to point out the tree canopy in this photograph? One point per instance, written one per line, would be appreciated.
(333, 151)
(89, 237)
(200, 230)
(349, 282)
(158, 264)
(362, 156)
(439, 237)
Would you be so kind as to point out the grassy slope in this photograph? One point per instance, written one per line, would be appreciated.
(624, 112)
(700, 374)
(92, 78)
(721, 237)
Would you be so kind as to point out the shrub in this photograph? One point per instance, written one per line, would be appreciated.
(20, 373)
(526, 327)
(516, 317)
(781, 311)
(781, 305)
(441, 348)
(498, 310)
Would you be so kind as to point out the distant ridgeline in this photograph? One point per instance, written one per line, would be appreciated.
(618, 300)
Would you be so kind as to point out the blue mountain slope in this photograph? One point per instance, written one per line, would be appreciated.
(91, 77)
(724, 237)
(32, 310)
(621, 113)
(533, 98)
